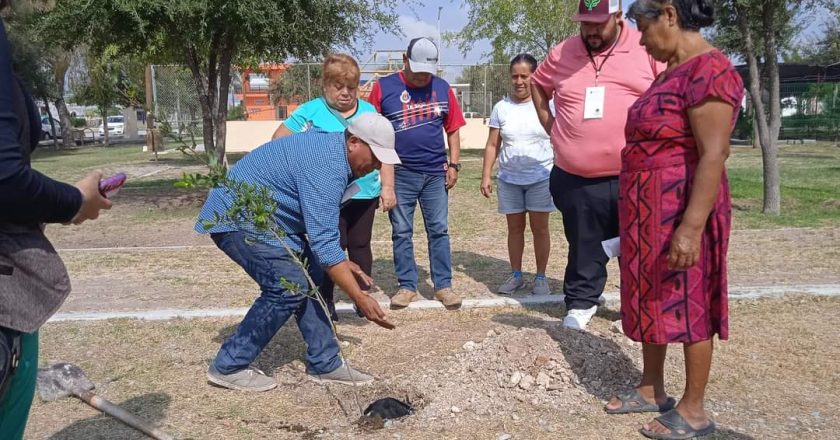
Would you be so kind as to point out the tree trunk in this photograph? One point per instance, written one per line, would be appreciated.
(768, 146)
(203, 86)
(225, 60)
(106, 136)
(772, 177)
(66, 123)
(60, 67)
(52, 124)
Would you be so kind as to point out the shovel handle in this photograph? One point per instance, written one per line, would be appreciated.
(122, 415)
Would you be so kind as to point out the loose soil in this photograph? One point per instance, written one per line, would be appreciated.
(476, 374)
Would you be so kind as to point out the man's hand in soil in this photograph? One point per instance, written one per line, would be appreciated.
(343, 274)
(370, 308)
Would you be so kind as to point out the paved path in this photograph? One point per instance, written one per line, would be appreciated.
(736, 293)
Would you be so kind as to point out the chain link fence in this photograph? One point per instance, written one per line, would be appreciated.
(478, 87)
(176, 106)
(809, 110)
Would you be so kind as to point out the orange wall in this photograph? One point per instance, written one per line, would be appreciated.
(257, 103)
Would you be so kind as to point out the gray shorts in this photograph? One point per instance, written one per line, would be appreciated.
(514, 199)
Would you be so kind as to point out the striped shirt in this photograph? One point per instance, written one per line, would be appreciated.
(306, 174)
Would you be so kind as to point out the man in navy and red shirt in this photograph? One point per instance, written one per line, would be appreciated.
(422, 107)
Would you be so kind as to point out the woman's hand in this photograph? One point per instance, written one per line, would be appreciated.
(360, 275)
(387, 199)
(92, 200)
(486, 186)
(685, 248)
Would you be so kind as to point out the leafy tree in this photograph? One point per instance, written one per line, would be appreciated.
(488, 84)
(210, 37)
(760, 31)
(299, 82)
(45, 64)
(515, 26)
(98, 86)
(825, 49)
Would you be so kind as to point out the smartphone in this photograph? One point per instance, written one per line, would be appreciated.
(110, 186)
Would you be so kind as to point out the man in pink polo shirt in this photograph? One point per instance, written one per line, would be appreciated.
(594, 78)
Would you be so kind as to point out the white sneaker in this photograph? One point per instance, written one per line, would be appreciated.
(577, 319)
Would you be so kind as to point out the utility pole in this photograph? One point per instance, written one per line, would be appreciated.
(440, 42)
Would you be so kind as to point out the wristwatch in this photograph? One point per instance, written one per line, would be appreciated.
(455, 166)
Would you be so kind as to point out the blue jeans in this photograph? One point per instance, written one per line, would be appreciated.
(267, 265)
(411, 187)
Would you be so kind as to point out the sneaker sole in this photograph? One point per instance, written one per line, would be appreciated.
(216, 381)
(358, 383)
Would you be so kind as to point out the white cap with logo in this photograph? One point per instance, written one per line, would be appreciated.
(422, 55)
(377, 132)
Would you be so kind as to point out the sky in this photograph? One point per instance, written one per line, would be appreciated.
(422, 20)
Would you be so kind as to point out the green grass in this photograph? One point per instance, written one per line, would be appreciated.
(810, 187)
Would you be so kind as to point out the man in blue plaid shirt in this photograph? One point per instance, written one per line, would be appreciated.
(307, 175)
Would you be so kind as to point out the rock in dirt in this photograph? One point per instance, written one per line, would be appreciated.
(504, 437)
(615, 327)
(455, 410)
(554, 386)
(543, 380)
(527, 382)
(469, 346)
(515, 378)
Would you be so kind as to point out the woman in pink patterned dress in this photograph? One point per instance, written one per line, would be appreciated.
(675, 212)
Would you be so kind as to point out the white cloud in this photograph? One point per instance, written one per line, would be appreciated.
(413, 28)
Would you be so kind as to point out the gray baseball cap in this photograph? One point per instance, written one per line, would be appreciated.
(377, 132)
(422, 55)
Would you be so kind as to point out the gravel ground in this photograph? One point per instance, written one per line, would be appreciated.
(480, 374)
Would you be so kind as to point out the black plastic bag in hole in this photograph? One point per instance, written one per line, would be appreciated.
(389, 408)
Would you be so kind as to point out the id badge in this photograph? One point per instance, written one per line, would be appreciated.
(593, 105)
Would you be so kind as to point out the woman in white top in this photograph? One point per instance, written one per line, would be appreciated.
(525, 156)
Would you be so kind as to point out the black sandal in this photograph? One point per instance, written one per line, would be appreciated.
(680, 429)
(633, 402)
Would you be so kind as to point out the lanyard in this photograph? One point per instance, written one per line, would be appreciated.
(609, 54)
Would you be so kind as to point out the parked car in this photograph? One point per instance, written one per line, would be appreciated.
(47, 131)
(116, 126)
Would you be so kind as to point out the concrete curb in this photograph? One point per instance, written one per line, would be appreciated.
(741, 293)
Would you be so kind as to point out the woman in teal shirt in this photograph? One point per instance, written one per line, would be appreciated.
(332, 112)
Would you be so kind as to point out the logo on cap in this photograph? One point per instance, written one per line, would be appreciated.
(591, 4)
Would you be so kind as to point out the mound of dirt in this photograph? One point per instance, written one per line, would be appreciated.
(553, 367)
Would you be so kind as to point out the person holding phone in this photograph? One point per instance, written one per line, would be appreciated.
(33, 280)
(307, 175)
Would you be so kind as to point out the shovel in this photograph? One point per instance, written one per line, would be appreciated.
(61, 380)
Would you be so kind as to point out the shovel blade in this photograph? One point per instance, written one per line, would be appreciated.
(61, 380)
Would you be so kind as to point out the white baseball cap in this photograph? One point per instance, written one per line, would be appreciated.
(422, 55)
(377, 132)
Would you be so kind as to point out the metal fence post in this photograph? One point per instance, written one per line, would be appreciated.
(484, 111)
(308, 83)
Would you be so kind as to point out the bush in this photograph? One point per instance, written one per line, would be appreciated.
(78, 122)
(236, 113)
